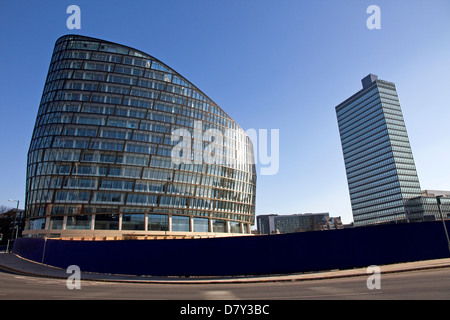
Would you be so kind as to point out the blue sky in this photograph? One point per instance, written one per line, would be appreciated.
(269, 64)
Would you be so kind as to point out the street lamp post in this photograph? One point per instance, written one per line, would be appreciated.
(14, 225)
(438, 200)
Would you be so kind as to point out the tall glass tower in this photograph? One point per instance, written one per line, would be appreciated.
(378, 159)
(101, 161)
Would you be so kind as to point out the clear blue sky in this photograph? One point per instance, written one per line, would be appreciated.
(270, 64)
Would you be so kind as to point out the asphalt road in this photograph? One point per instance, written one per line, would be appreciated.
(427, 284)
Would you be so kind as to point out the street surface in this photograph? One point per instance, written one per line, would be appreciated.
(425, 284)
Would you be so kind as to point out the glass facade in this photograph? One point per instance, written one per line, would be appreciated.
(273, 223)
(378, 159)
(108, 150)
(425, 207)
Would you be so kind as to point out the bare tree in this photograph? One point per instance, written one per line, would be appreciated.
(4, 209)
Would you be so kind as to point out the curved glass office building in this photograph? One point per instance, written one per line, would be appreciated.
(124, 146)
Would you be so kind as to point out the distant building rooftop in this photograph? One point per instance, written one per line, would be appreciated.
(434, 193)
(368, 80)
(299, 222)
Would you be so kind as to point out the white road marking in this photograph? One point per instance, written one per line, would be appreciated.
(219, 295)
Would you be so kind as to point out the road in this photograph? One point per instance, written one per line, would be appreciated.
(425, 284)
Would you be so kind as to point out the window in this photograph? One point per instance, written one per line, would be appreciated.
(56, 222)
(132, 221)
(219, 225)
(235, 227)
(114, 133)
(107, 222)
(135, 160)
(116, 185)
(142, 199)
(37, 224)
(149, 187)
(167, 201)
(180, 223)
(79, 222)
(158, 222)
(104, 197)
(157, 174)
(106, 145)
(201, 225)
(140, 148)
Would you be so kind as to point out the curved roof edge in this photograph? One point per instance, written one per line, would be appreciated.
(152, 57)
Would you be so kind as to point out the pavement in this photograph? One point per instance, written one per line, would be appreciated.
(13, 263)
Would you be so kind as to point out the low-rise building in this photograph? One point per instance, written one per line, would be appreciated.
(274, 223)
(425, 207)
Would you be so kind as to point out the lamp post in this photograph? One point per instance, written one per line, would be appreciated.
(438, 200)
(14, 225)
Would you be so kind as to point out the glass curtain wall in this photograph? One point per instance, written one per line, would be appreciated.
(101, 155)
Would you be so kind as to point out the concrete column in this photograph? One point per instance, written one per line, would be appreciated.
(64, 223)
(170, 222)
(46, 226)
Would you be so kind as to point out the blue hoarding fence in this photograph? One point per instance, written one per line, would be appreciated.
(246, 255)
